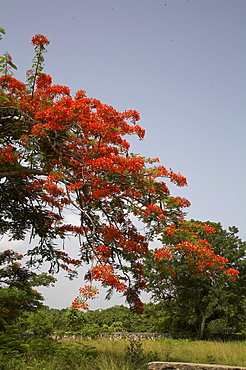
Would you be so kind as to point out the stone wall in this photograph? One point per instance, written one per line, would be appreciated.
(112, 336)
(187, 366)
(134, 336)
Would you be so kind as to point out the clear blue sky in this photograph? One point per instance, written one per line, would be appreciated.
(180, 63)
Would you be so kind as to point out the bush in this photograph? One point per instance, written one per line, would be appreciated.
(136, 358)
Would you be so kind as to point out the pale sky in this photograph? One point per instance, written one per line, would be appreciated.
(180, 63)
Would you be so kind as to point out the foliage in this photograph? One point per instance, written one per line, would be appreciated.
(62, 153)
(41, 351)
(134, 354)
(11, 345)
(191, 301)
(182, 320)
(17, 293)
(108, 355)
(2, 32)
(91, 323)
(39, 323)
(136, 357)
(78, 355)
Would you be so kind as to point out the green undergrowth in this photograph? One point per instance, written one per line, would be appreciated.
(48, 354)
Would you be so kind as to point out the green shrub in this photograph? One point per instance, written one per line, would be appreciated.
(135, 356)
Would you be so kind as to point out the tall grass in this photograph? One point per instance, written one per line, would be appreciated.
(220, 353)
(124, 355)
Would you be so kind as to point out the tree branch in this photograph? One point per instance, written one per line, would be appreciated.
(22, 171)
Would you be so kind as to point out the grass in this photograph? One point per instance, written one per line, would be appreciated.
(220, 353)
(124, 355)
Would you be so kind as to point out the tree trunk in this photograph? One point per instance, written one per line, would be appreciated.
(202, 327)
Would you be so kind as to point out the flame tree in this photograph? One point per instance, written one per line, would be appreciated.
(64, 153)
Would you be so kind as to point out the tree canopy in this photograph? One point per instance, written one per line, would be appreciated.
(196, 303)
(62, 153)
(17, 293)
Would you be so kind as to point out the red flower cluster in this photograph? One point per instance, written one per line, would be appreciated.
(39, 40)
(106, 275)
(164, 253)
(9, 57)
(233, 273)
(8, 154)
(87, 292)
(202, 259)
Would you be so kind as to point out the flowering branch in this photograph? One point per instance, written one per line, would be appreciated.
(39, 42)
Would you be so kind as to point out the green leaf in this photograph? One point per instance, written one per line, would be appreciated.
(4, 98)
(3, 32)
(12, 65)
